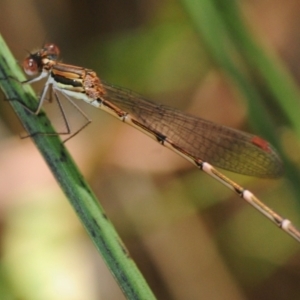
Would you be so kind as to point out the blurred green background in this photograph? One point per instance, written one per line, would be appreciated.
(233, 63)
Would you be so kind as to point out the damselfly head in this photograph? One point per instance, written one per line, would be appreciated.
(42, 59)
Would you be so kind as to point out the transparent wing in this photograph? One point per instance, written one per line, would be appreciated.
(219, 145)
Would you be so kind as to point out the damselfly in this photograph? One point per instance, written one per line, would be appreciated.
(197, 140)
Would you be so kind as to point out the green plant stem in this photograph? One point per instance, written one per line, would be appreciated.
(235, 52)
(71, 181)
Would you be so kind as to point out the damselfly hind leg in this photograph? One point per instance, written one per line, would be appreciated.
(88, 120)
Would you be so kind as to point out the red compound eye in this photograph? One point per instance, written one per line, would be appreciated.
(52, 50)
(30, 66)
